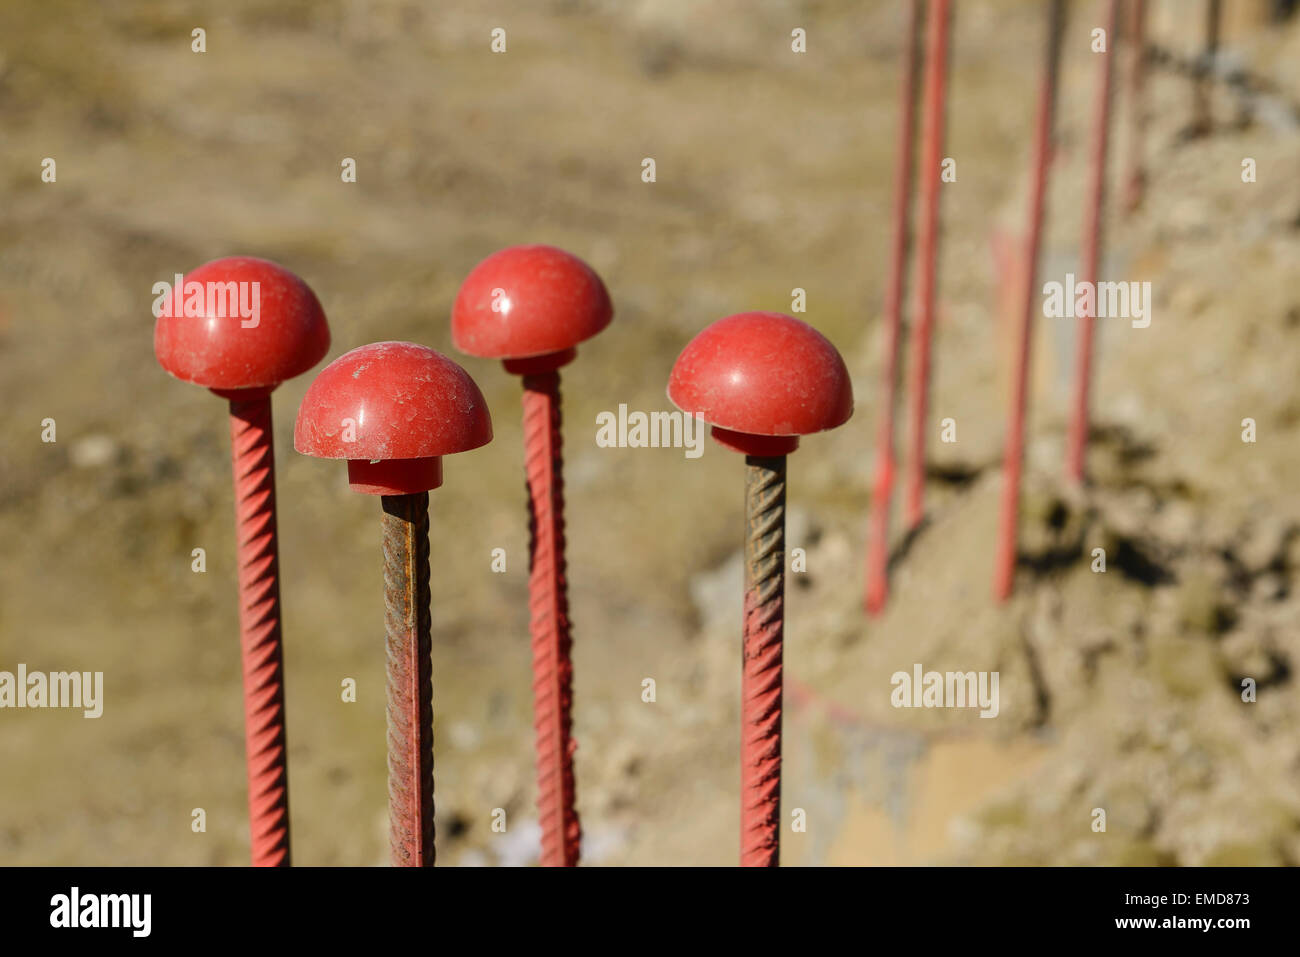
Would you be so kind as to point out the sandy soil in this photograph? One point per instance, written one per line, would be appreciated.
(1119, 691)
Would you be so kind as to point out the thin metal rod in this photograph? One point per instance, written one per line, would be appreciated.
(932, 124)
(548, 604)
(877, 591)
(410, 679)
(1004, 566)
(261, 651)
(761, 684)
(1077, 439)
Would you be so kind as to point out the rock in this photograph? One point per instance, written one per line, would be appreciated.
(94, 451)
(1264, 544)
(464, 736)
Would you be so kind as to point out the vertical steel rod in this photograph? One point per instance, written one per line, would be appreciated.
(1090, 258)
(253, 459)
(549, 622)
(410, 679)
(932, 128)
(761, 677)
(877, 591)
(1004, 566)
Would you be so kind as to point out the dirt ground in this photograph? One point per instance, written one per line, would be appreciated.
(1119, 691)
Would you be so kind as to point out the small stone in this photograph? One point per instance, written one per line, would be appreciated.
(93, 451)
(464, 736)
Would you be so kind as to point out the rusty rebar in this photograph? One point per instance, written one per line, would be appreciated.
(1004, 566)
(877, 591)
(549, 625)
(1090, 255)
(761, 677)
(410, 679)
(932, 133)
(253, 460)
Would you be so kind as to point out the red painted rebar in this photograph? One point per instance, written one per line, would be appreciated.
(932, 123)
(531, 306)
(410, 679)
(1077, 440)
(760, 727)
(877, 591)
(1004, 567)
(253, 458)
(1135, 171)
(548, 604)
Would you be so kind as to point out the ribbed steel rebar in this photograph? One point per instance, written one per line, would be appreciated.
(1076, 448)
(760, 690)
(877, 590)
(932, 133)
(410, 679)
(1004, 561)
(253, 458)
(548, 604)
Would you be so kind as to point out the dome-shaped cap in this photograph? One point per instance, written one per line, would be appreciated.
(528, 301)
(391, 400)
(248, 323)
(763, 373)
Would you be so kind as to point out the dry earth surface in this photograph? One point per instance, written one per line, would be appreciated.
(1119, 690)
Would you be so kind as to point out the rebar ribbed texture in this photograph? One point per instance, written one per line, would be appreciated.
(1076, 447)
(253, 458)
(932, 142)
(410, 679)
(1004, 560)
(760, 689)
(548, 605)
(877, 589)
